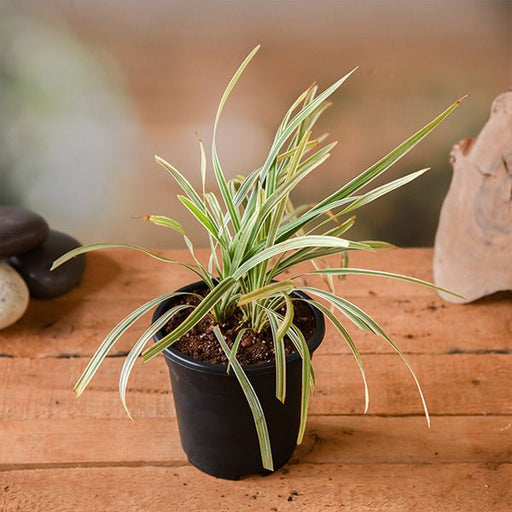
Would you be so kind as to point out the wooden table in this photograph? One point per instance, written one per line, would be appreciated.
(62, 454)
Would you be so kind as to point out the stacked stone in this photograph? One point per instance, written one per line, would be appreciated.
(28, 247)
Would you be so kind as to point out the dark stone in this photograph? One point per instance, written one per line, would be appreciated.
(20, 230)
(34, 266)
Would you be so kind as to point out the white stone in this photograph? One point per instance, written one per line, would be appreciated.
(14, 296)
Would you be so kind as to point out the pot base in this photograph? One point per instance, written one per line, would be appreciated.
(235, 476)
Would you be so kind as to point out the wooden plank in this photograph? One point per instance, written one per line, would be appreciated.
(315, 488)
(417, 326)
(420, 323)
(329, 440)
(43, 388)
(50, 442)
(453, 384)
(380, 462)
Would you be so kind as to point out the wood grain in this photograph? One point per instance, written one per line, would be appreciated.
(50, 443)
(60, 453)
(304, 487)
(453, 384)
(414, 316)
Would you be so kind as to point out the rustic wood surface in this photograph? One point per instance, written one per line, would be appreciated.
(62, 454)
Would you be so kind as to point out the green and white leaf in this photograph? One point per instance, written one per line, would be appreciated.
(255, 234)
(111, 339)
(266, 291)
(345, 271)
(135, 351)
(350, 342)
(254, 403)
(367, 323)
(196, 316)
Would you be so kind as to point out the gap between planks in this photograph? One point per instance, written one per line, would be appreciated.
(179, 464)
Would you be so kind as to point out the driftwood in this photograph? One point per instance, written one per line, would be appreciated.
(473, 246)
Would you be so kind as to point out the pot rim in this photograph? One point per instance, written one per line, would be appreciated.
(260, 368)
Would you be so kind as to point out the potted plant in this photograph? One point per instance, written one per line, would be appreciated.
(239, 341)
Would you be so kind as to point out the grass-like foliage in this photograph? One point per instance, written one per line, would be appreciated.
(255, 235)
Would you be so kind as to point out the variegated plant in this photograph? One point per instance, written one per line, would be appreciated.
(255, 235)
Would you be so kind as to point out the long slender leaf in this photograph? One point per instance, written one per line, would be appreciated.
(296, 243)
(386, 162)
(314, 253)
(182, 182)
(203, 164)
(234, 348)
(137, 348)
(202, 218)
(366, 322)
(167, 222)
(219, 175)
(266, 291)
(378, 273)
(254, 403)
(280, 355)
(289, 229)
(287, 320)
(196, 316)
(112, 337)
(281, 138)
(384, 189)
(302, 348)
(350, 342)
(99, 246)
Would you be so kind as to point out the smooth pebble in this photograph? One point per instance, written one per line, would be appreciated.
(14, 295)
(34, 266)
(20, 230)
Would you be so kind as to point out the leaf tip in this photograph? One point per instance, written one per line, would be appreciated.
(125, 407)
(460, 100)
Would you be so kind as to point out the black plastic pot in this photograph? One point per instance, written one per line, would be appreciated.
(215, 422)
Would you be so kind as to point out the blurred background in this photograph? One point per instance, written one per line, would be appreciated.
(90, 91)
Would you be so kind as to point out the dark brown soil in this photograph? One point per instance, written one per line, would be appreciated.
(200, 342)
